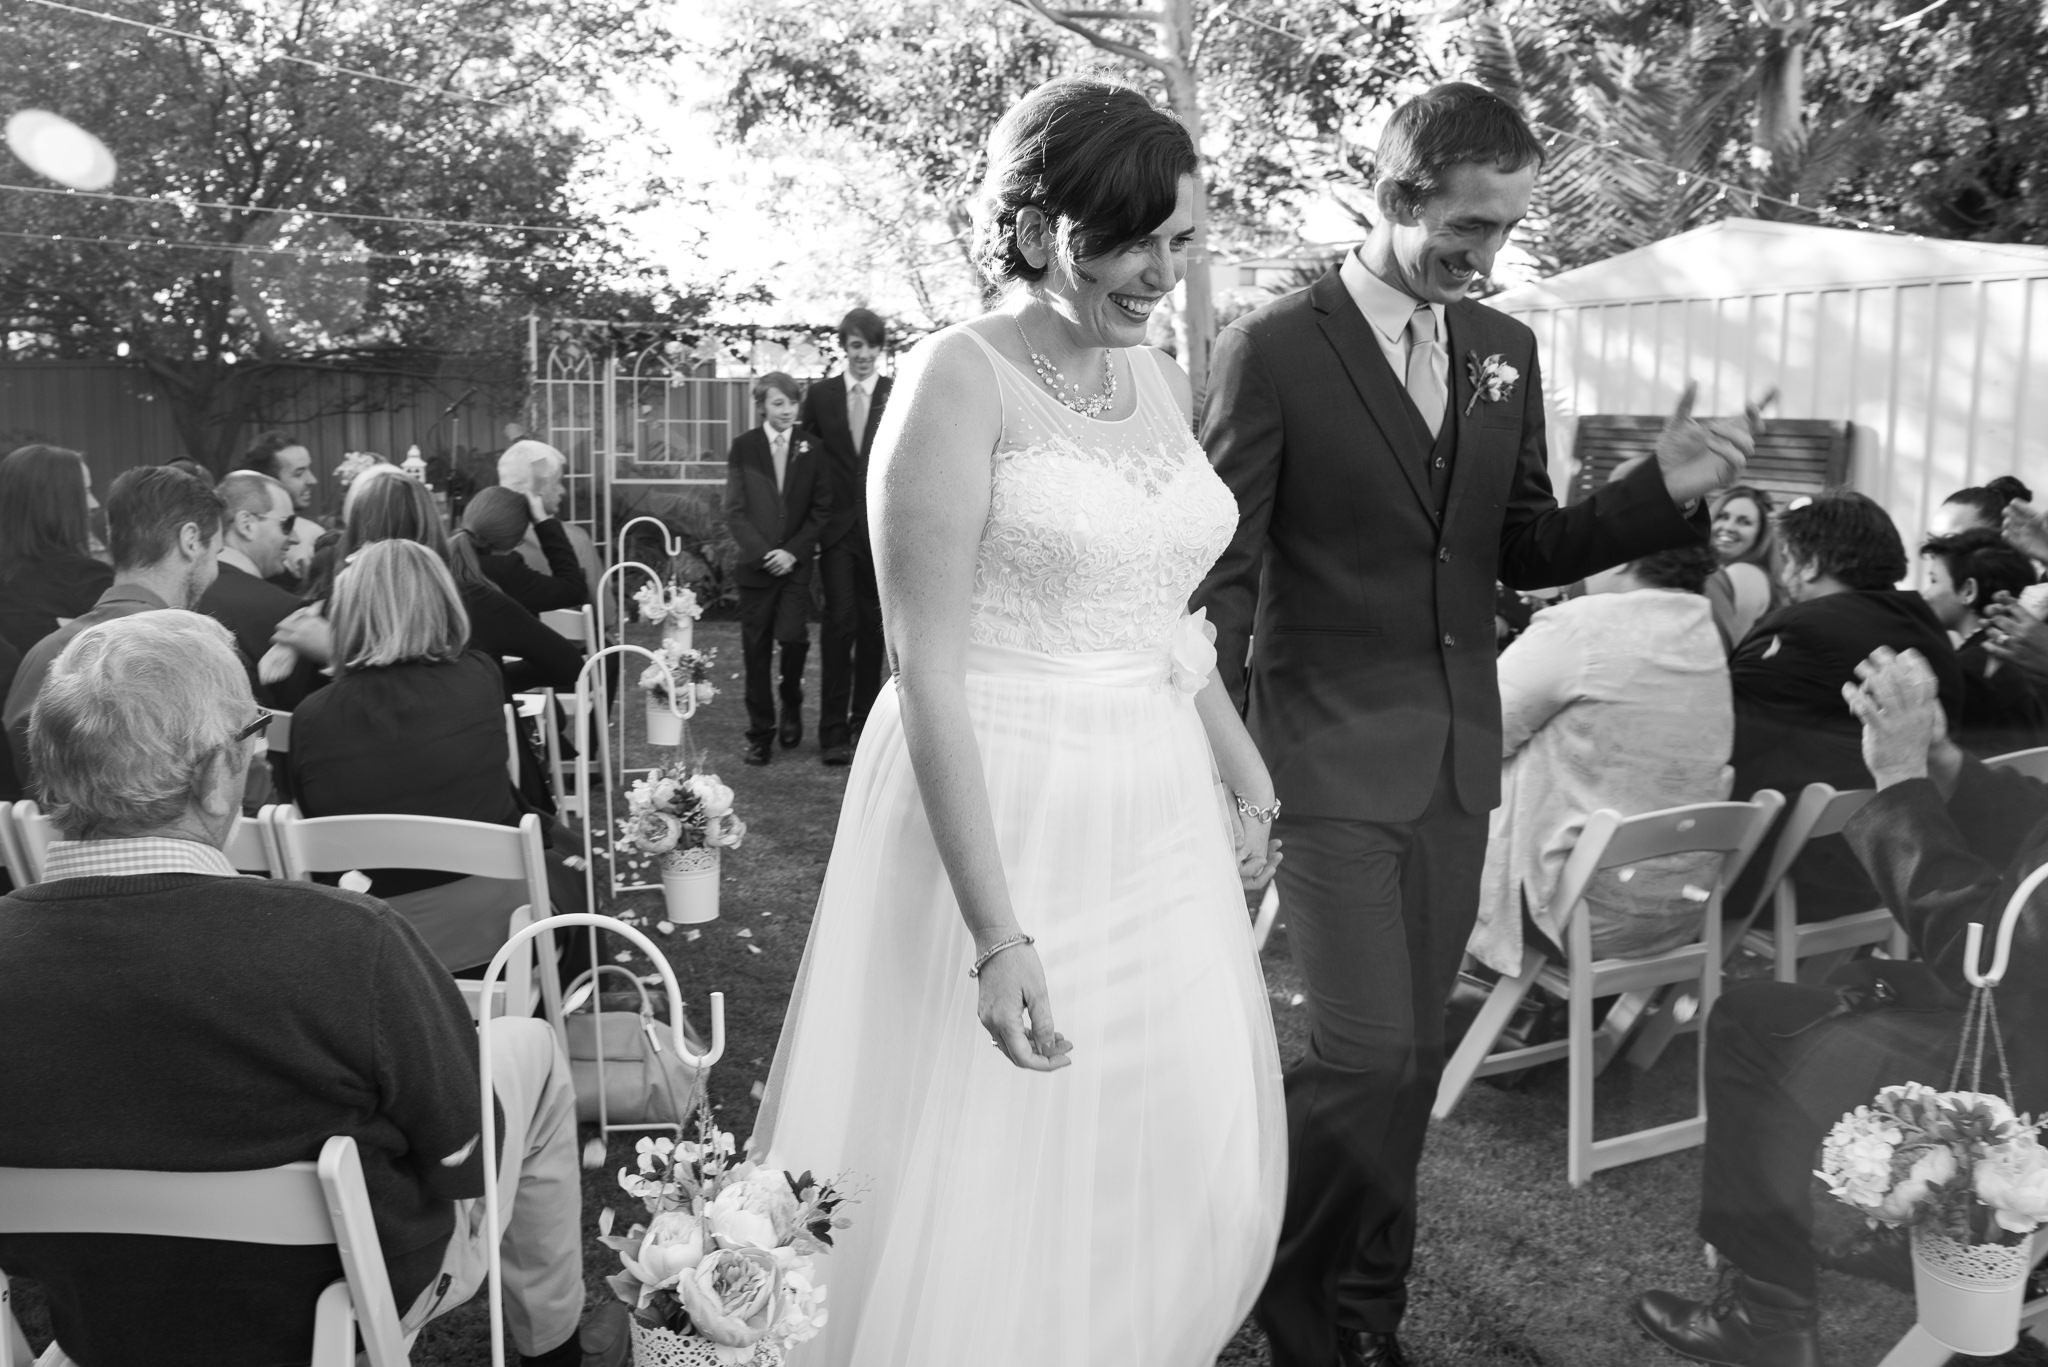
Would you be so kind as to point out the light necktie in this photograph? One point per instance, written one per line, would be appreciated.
(778, 450)
(857, 416)
(1426, 368)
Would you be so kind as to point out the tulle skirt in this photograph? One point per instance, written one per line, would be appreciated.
(1120, 1211)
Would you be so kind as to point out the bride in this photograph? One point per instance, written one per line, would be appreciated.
(1032, 836)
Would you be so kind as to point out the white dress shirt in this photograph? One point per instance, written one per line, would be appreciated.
(1388, 309)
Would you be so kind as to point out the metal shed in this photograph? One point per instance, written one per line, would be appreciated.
(1936, 352)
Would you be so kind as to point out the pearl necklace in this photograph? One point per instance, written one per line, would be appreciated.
(1070, 394)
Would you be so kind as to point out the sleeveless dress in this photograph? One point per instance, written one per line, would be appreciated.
(1121, 1211)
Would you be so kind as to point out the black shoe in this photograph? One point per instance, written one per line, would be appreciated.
(1363, 1348)
(1879, 1255)
(758, 752)
(792, 729)
(1749, 1324)
(603, 1340)
(836, 755)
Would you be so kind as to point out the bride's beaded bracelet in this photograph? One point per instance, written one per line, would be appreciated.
(1264, 815)
(1000, 946)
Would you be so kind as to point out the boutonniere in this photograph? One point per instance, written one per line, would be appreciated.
(1493, 379)
(803, 448)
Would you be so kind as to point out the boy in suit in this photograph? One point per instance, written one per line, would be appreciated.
(777, 496)
(844, 411)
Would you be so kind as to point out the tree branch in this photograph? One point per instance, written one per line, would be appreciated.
(1116, 16)
(1058, 19)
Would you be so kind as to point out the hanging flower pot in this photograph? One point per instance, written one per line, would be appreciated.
(664, 726)
(689, 884)
(1969, 1294)
(666, 1348)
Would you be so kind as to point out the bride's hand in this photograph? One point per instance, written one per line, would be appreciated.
(1258, 854)
(1016, 1011)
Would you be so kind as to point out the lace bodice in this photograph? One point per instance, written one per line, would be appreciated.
(1097, 531)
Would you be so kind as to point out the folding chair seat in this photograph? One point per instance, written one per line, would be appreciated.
(339, 844)
(1821, 811)
(321, 1202)
(1610, 841)
(248, 848)
(2033, 763)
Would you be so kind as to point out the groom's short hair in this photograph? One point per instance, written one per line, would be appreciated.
(1446, 126)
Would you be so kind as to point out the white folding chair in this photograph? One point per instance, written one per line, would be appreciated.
(2033, 763)
(578, 625)
(12, 857)
(512, 743)
(338, 844)
(1610, 841)
(1269, 912)
(1821, 811)
(248, 849)
(321, 1202)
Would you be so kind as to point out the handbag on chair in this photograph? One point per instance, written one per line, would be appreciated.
(646, 1081)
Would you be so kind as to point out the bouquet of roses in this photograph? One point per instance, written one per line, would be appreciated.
(666, 602)
(676, 809)
(690, 668)
(725, 1256)
(1956, 1163)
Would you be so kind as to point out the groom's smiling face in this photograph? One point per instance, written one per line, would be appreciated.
(1445, 245)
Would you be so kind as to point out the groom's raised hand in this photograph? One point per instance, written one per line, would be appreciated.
(1700, 455)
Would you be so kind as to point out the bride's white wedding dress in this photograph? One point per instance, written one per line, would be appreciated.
(1122, 1210)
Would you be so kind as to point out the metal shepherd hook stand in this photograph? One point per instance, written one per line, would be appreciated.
(485, 1097)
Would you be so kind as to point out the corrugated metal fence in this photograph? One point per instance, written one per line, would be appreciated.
(114, 412)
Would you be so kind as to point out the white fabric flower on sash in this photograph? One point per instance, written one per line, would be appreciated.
(1193, 652)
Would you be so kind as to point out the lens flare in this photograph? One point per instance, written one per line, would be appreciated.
(58, 149)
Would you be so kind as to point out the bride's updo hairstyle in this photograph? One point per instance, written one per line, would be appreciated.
(1097, 158)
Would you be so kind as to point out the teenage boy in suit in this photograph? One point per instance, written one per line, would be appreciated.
(844, 411)
(777, 497)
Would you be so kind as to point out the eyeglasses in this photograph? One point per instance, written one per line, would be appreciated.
(254, 728)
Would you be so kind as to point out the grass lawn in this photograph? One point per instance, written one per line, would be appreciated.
(1515, 1268)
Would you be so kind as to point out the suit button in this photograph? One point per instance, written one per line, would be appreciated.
(1444, 555)
(1449, 639)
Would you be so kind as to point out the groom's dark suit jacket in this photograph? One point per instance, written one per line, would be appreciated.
(1373, 610)
(846, 451)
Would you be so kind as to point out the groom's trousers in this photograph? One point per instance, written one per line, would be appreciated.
(1377, 916)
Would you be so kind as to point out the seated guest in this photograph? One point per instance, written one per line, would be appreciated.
(289, 463)
(254, 537)
(1961, 576)
(1983, 506)
(46, 575)
(1746, 586)
(414, 723)
(391, 507)
(1839, 556)
(165, 530)
(1618, 699)
(162, 1012)
(488, 541)
(1946, 841)
(536, 468)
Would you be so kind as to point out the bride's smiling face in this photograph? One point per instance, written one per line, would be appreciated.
(1108, 298)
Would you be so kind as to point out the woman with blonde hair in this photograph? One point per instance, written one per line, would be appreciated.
(414, 723)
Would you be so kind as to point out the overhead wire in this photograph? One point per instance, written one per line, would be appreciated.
(302, 253)
(228, 44)
(179, 202)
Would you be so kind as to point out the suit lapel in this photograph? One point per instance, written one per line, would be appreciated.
(1385, 399)
(1465, 333)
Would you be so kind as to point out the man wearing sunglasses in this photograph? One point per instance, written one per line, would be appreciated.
(255, 534)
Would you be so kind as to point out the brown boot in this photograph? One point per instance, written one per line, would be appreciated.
(1749, 1324)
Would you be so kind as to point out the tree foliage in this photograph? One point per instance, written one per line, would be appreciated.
(235, 121)
(1667, 114)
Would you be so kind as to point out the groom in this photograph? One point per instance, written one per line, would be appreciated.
(1384, 437)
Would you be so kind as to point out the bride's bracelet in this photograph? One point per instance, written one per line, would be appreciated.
(999, 947)
(1264, 815)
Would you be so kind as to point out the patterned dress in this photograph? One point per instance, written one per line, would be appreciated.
(1122, 1210)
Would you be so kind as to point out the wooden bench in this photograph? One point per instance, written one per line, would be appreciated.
(1795, 457)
